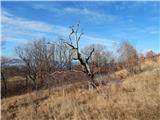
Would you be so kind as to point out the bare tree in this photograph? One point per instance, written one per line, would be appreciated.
(38, 59)
(150, 53)
(151, 56)
(98, 55)
(74, 45)
(101, 58)
(129, 57)
(63, 55)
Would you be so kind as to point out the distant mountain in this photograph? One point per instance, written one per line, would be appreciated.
(15, 62)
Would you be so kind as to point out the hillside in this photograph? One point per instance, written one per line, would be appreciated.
(136, 98)
(77, 60)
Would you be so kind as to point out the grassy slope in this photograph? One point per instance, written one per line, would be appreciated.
(137, 98)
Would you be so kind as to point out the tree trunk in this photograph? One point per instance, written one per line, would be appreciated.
(26, 82)
(92, 84)
(5, 84)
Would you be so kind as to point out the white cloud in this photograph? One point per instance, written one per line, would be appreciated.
(58, 11)
(92, 15)
(95, 40)
(11, 20)
(154, 32)
(15, 39)
(14, 26)
(25, 24)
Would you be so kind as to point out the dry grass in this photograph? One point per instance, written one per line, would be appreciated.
(16, 85)
(136, 98)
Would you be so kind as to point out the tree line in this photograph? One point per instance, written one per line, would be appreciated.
(42, 58)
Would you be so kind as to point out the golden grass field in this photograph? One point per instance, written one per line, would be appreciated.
(137, 97)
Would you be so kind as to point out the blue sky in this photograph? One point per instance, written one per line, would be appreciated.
(105, 23)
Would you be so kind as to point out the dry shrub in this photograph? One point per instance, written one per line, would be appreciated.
(151, 56)
(129, 57)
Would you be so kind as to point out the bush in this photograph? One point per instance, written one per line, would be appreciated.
(129, 57)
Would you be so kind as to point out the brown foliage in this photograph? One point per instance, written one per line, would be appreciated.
(150, 53)
(129, 57)
(151, 56)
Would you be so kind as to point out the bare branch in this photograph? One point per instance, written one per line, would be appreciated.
(70, 34)
(77, 28)
(80, 36)
(75, 59)
(89, 55)
(70, 45)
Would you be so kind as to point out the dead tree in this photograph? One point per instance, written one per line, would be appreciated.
(78, 56)
(4, 62)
